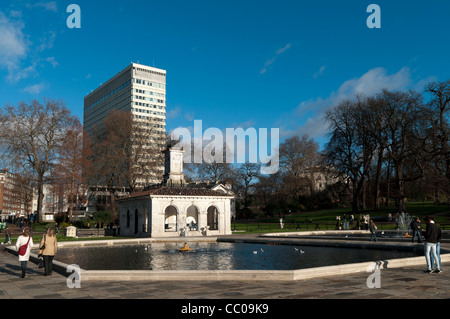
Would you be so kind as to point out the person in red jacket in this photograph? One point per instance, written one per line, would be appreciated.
(26, 241)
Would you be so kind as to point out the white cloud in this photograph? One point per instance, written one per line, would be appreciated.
(311, 113)
(375, 80)
(18, 55)
(284, 49)
(52, 61)
(320, 72)
(49, 6)
(189, 116)
(270, 61)
(244, 125)
(173, 112)
(35, 89)
(15, 14)
(13, 46)
(48, 41)
(16, 73)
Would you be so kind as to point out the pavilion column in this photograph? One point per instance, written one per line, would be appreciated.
(202, 220)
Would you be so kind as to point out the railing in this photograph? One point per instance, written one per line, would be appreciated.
(309, 225)
(91, 232)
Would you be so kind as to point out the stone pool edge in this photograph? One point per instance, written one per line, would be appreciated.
(240, 275)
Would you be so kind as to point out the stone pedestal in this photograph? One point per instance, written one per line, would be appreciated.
(71, 231)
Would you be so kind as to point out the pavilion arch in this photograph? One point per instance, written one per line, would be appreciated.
(128, 218)
(192, 213)
(213, 217)
(171, 219)
(136, 221)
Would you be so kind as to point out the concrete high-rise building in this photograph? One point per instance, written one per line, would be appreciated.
(138, 89)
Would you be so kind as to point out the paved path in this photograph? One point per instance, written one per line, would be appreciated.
(406, 283)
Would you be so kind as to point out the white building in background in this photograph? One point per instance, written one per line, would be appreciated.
(19, 199)
(138, 89)
(15, 196)
(55, 200)
(174, 208)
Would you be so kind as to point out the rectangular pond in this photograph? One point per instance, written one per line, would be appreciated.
(219, 256)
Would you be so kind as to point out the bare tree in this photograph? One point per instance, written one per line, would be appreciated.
(376, 127)
(244, 182)
(73, 162)
(213, 166)
(299, 161)
(404, 136)
(440, 105)
(127, 154)
(269, 193)
(32, 136)
(351, 146)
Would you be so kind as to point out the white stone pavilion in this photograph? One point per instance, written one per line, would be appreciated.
(175, 208)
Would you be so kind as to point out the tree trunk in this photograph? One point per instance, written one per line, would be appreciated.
(112, 202)
(40, 200)
(437, 200)
(377, 190)
(363, 193)
(355, 196)
(444, 143)
(388, 184)
(400, 187)
(71, 209)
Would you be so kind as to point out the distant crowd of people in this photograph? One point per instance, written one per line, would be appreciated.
(432, 236)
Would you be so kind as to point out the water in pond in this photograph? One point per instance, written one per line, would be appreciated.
(217, 256)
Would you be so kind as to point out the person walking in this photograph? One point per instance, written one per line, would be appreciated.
(23, 246)
(437, 262)
(366, 222)
(373, 229)
(416, 228)
(47, 249)
(7, 236)
(432, 235)
(345, 224)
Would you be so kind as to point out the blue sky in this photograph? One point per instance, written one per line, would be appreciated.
(261, 64)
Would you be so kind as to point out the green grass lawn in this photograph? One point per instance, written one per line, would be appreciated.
(326, 219)
(307, 220)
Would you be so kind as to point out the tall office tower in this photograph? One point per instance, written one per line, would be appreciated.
(138, 89)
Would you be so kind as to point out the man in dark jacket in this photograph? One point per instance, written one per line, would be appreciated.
(416, 228)
(432, 236)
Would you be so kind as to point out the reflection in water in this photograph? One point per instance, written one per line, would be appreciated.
(217, 256)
